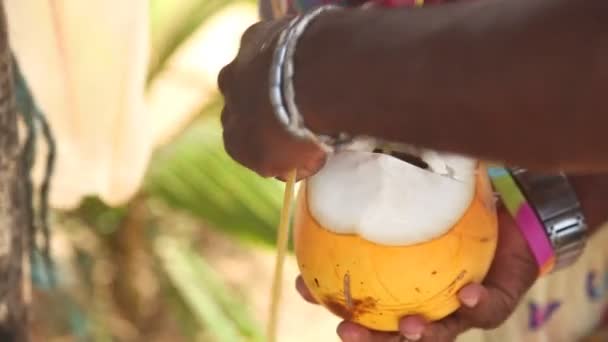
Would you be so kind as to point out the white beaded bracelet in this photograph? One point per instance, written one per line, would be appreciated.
(282, 93)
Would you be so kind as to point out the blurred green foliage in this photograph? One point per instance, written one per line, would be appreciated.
(194, 173)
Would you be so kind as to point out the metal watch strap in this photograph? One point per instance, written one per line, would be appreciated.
(557, 206)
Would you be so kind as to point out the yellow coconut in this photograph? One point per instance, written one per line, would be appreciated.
(377, 238)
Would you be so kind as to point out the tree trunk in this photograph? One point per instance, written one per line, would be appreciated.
(13, 209)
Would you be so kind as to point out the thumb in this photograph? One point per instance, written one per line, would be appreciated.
(485, 307)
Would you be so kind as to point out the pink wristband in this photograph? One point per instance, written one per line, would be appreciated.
(526, 218)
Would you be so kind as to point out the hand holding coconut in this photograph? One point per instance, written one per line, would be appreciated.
(382, 218)
(512, 273)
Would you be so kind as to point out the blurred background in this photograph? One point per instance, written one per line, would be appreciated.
(157, 234)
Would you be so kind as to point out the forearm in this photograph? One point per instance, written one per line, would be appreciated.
(525, 77)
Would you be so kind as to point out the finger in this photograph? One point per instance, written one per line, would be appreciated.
(224, 78)
(416, 328)
(303, 290)
(493, 306)
(300, 175)
(259, 38)
(512, 272)
(412, 327)
(236, 148)
(226, 117)
(471, 294)
(313, 161)
(311, 169)
(353, 332)
(240, 147)
(445, 330)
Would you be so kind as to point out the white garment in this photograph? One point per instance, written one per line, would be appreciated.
(86, 63)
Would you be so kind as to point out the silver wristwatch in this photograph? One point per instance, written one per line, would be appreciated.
(557, 206)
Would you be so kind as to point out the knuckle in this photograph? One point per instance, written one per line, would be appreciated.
(250, 33)
(447, 329)
(234, 148)
(251, 156)
(229, 144)
(265, 168)
(225, 118)
(265, 172)
(223, 78)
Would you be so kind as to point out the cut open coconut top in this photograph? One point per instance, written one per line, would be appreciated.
(392, 200)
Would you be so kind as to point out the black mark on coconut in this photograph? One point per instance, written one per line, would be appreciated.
(434, 273)
(417, 289)
(455, 281)
(317, 282)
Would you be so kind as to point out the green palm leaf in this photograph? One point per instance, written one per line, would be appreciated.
(213, 306)
(194, 173)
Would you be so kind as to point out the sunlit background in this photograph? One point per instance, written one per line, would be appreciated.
(157, 234)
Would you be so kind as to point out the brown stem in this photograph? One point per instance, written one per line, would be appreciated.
(133, 268)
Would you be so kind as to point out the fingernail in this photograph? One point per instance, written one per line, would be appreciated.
(469, 296)
(412, 327)
(470, 301)
(343, 336)
(412, 337)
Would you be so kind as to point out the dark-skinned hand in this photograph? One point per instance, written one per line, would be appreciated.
(252, 134)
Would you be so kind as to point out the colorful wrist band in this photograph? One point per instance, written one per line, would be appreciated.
(526, 218)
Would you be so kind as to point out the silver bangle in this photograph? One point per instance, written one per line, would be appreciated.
(558, 208)
(282, 94)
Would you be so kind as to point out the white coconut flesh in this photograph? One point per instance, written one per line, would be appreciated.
(389, 201)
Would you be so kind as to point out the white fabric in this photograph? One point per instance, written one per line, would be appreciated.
(86, 62)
